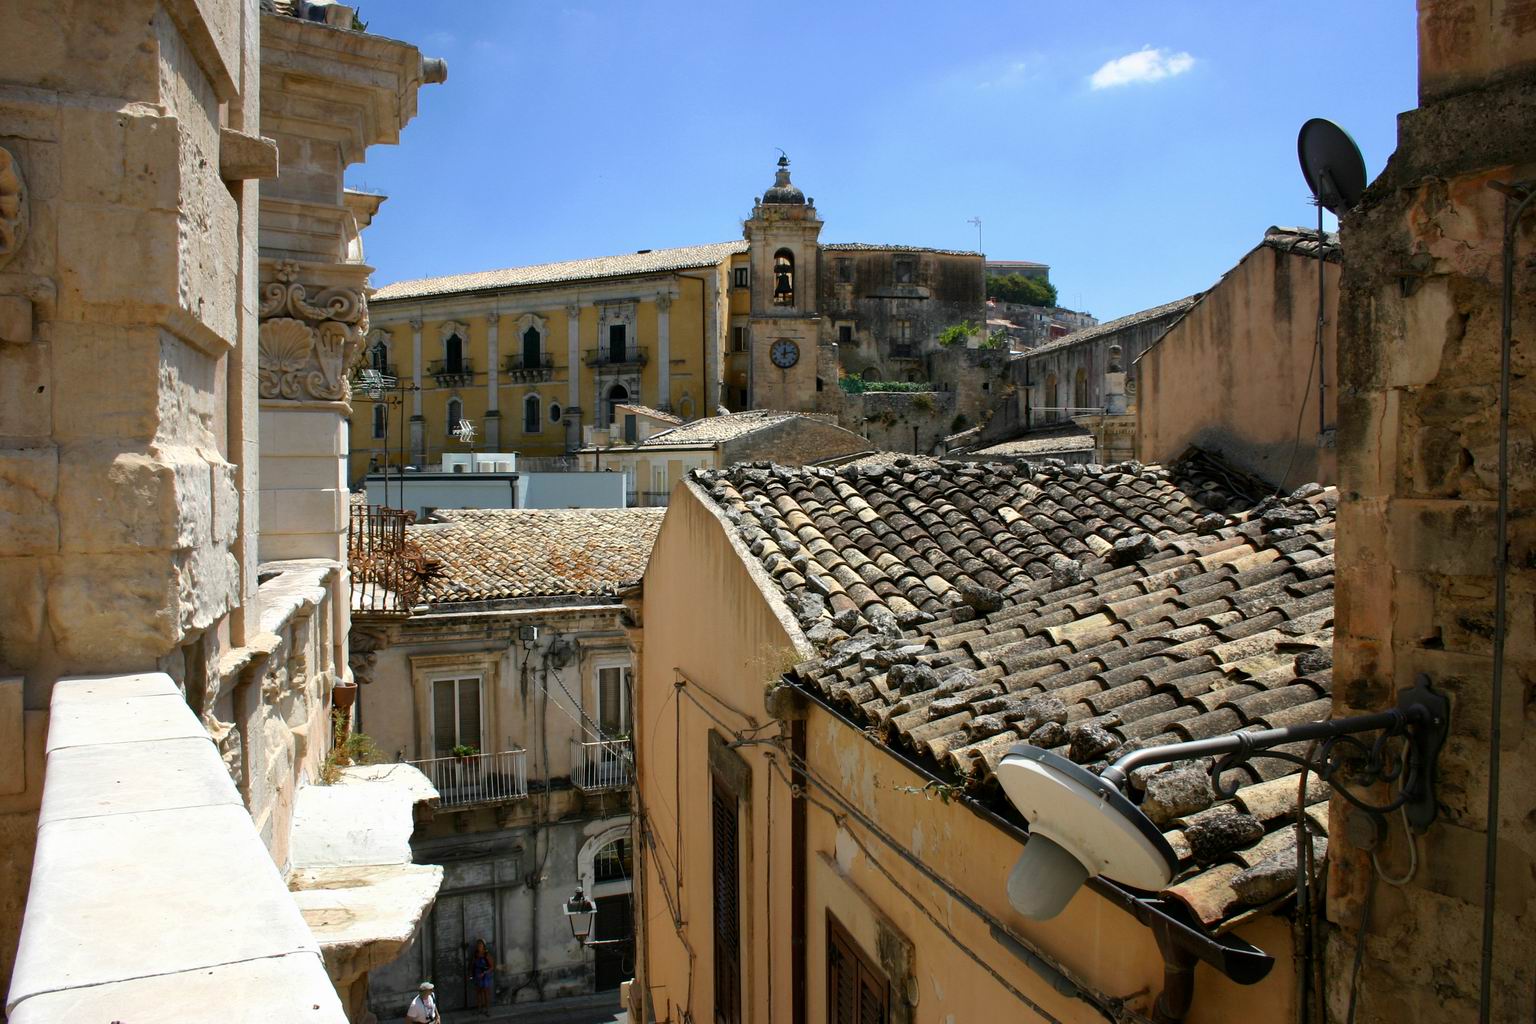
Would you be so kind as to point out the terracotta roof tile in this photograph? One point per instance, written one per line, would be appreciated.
(502, 554)
(1199, 618)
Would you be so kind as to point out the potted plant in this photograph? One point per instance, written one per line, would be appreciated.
(464, 751)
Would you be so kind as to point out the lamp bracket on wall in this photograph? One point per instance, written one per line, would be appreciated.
(1404, 752)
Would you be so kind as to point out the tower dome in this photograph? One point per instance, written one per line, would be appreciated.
(783, 193)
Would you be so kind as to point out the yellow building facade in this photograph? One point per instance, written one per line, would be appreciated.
(534, 356)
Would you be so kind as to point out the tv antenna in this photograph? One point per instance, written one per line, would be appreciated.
(465, 432)
(1335, 172)
(977, 221)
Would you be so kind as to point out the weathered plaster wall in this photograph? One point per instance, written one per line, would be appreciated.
(1419, 356)
(703, 616)
(1101, 943)
(901, 421)
(1046, 379)
(1232, 375)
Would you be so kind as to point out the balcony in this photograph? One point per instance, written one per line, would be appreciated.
(602, 766)
(478, 778)
(898, 350)
(452, 373)
(614, 355)
(651, 499)
(525, 369)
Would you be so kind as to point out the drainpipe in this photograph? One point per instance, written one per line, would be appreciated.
(797, 876)
(1178, 992)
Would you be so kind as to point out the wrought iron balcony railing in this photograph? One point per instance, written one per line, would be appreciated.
(478, 778)
(523, 367)
(602, 765)
(449, 373)
(612, 355)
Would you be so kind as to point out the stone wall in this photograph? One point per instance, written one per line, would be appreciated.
(902, 421)
(793, 442)
(126, 239)
(1419, 366)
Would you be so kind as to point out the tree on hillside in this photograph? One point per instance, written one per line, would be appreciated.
(1029, 291)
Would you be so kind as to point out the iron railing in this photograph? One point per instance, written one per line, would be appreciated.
(387, 572)
(609, 355)
(450, 373)
(478, 778)
(653, 499)
(521, 363)
(601, 765)
(548, 463)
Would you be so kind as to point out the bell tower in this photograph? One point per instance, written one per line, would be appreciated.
(785, 327)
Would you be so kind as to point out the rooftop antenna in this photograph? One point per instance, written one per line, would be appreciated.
(1335, 172)
(465, 432)
(376, 384)
(977, 221)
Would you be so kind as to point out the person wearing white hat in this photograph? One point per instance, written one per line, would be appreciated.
(424, 1007)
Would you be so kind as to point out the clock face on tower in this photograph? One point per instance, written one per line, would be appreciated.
(784, 353)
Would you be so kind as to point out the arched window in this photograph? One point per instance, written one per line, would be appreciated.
(455, 413)
(613, 863)
(1080, 389)
(783, 278)
(617, 395)
(453, 354)
(380, 421)
(1051, 400)
(531, 345)
(532, 423)
(554, 412)
(379, 357)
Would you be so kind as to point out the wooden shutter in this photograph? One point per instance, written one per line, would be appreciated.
(857, 993)
(727, 907)
(444, 726)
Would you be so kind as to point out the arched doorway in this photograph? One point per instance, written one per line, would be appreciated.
(1080, 389)
(605, 867)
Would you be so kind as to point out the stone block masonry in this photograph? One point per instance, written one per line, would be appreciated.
(1419, 356)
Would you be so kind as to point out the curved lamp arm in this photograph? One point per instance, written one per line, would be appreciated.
(1421, 719)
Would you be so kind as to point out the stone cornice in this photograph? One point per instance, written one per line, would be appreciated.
(356, 88)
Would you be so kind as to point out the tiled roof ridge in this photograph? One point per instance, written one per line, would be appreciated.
(1118, 324)
(616, 265)
(1303, 242)
(650, 413)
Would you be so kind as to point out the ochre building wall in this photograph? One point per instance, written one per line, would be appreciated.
(1237, 373)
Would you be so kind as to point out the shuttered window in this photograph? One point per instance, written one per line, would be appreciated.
(455, 715)
(857, 993)
(727, 907)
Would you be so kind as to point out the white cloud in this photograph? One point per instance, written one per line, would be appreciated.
(1006, 77)
(1145, 65)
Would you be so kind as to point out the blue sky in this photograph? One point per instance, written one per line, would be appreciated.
(1138, 148)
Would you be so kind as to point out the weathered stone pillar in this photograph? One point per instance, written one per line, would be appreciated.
(664, 351)
(492, 382)
(1419, 368)
(573, 380)
(418, 424)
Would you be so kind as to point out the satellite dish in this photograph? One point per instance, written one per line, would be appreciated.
(1332, 164)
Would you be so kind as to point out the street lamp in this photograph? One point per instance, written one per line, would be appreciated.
(1082, 824)
(578, 913)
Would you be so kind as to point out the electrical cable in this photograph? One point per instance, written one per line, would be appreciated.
(1500, 593)
(1360, 934)
(1413, 856)
(1312, 366)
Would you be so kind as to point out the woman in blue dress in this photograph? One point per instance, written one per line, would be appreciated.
(482, 971)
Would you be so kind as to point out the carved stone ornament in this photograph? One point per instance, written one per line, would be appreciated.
(13, 206)
(306, 346)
